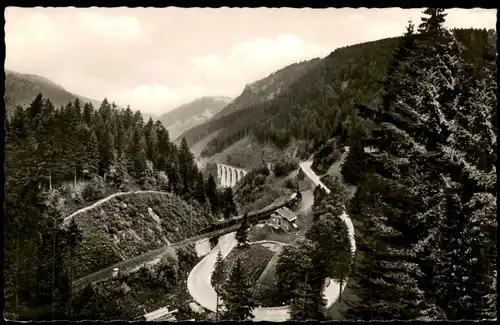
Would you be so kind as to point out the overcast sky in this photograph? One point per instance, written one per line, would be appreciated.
(158, 58)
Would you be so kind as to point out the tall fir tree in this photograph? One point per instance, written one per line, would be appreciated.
(384, 279)
(187, 168)
(218, 278)
(417, 149)
(106, 150)
(242, 232)
(35, 108)
(294, 263)
(238, 298)
(354, 164)
(229, 207)
(175, 178)
(88, 113)
(303, 306)
(92, 154)
(212, 193)
(138, 154)
(199, 190)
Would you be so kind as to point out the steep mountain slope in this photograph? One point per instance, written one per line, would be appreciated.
(253, 94)
(191, 114)
(269, 87)
(321, 102)
(21, 89)
(128, 226)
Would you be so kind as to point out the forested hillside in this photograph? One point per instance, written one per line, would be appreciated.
(253, 94)
(59, 159)
(425, 208)
(321, 103)
(20, 89)
(269, 87)
(130, 225)
(150, 288)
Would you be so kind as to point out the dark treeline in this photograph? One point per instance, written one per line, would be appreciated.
(324, 252)
(321, 104)
(424, 212)
(425, 208)
(45, 149)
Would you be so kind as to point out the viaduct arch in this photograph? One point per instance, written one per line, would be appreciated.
(228, 176)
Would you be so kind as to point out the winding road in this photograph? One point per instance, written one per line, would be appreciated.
(199, 284)
(201, 290)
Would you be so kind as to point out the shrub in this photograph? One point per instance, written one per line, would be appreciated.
(167, 271)
(292, 184)
(301, 175)
(259, 180)
(94, 190)
(148, 180)
(112, 230)
(65, 190)
(187, 257)
(326, 156)
(77, 197)
(53, 202)
(285, 166)
(117, 175)
(162, 181)
(262, 170)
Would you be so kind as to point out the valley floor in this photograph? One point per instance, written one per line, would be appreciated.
(199, 283)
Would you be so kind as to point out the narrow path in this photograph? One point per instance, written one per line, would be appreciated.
(148, 257)
(201, 290)
(93, 206)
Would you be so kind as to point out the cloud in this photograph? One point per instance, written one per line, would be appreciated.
(283, 47)
(155, 97)
(250, 61)
(471, 18)
(155, 59)
(121, 26)
(210, 61)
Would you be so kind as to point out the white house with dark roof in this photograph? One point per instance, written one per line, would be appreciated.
(284, 218)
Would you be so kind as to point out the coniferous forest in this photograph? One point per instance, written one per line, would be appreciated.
(424, 212)
(320, 104)
(424, 209)
(48, 151)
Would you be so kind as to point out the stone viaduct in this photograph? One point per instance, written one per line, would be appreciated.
(228, 176)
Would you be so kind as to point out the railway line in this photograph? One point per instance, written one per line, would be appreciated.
(216, 229)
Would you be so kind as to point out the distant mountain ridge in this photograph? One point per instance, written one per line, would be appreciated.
(318, 103)
(268, 88)
(193, 113)
(258, 92)
(21, 89)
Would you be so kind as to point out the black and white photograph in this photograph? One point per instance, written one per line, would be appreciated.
(250, 164)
